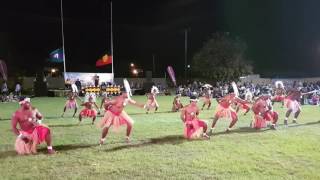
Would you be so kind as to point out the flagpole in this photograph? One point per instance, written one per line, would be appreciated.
(111, 37)
(62, 34)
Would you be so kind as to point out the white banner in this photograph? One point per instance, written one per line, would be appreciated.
(88, 79)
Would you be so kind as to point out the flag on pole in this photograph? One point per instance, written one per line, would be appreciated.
(56, 56)
(172, 75)
(105, 60)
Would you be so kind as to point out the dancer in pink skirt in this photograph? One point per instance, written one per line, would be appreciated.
(71, 104)
(224, 110)
(31, 132)
(193, 127)
(89, 110)
(279, 93)
(263, 113)
(207, 99)
(176, 105)
(116, 116)
(152, 101)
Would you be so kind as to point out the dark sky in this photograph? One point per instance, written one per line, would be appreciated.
(283, 36)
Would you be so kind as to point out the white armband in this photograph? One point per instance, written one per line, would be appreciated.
(20, 135)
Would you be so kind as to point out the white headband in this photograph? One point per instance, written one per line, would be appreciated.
(25, 101)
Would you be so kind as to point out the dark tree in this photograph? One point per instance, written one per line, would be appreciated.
(222, 58)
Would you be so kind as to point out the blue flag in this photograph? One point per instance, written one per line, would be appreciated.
(56, 56)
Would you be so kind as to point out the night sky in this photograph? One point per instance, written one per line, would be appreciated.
(283, 36)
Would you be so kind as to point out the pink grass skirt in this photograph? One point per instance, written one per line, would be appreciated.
(88, 113)
(37, 136)
(228, 113)
(193, 129)
(115, 120)
(71, 104)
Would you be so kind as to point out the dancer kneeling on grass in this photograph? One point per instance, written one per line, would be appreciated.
(193, 126)
(31, 132)
(263, 113)
(89, 110)
(116, 116)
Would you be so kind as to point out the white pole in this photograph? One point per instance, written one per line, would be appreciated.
(111, 31)
(185, 53)
(62, 33)
(153, 66)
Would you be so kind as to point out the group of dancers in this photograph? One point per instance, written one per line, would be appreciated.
(33, 132)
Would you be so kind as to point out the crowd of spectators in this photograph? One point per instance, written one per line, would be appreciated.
(10, 96)
(220, 89)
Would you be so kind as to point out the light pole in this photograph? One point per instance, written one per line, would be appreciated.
(186, 52)
(153, 65)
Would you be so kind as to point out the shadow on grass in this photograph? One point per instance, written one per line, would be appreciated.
(69, 125)
(241, 130)
(6, 154)
(305, 124)
(68, 147)
(173, 139)
(246, 130)
(5, 119)
(58, 148)
(151, 112)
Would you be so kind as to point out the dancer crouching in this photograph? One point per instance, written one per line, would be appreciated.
(194, 127)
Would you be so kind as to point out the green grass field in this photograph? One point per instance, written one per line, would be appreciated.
(158, 150)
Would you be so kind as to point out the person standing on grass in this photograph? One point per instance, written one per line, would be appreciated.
(78, 84)
(193, 127)
(31, 132)
(88, 110)
(74, 89)
(152, 101)
(71, 104)
(116, 116)
(263, 113)
(17, 90)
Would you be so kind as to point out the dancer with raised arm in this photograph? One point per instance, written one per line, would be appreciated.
(116, 116)
(224, 109)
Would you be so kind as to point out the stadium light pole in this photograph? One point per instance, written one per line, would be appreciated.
(62, 35)
(153, 65)
(186, 51)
